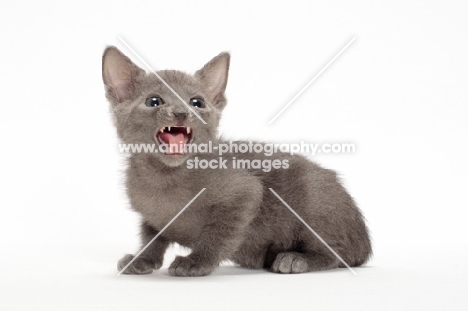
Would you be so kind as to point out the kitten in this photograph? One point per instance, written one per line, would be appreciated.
(236, 217)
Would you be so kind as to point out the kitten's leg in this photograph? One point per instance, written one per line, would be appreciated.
(251, 256)
(294, 262)
(220, 238)
(151, 259)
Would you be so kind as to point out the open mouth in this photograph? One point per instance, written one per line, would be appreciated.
(175, 138)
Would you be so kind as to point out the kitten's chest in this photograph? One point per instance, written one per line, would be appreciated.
(160, 199)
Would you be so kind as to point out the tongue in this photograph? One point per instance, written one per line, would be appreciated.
(176, 142)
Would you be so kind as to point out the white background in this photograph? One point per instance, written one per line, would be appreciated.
(399, 93)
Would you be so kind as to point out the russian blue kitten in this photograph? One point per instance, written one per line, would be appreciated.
(236, 217)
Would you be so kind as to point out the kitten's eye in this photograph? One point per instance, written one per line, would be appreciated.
(154, 101)
(197, 102)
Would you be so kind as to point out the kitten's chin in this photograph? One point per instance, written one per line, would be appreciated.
(173, 160)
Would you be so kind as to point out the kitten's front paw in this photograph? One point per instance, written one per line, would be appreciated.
(185, 266)
(139, 266)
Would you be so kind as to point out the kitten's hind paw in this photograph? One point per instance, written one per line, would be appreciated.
(290, 263)
(185, 266)
(139, 266)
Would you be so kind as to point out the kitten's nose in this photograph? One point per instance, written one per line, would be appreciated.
(180, 116)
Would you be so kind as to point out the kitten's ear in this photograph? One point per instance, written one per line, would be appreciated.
(119, 74)
(214, 76)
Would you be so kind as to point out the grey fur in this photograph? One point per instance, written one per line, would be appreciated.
(236, 218)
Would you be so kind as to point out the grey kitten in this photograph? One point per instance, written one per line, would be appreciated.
(236, 217)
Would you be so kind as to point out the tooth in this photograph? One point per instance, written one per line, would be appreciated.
(188, 130)
(162, 130)
(168, 128)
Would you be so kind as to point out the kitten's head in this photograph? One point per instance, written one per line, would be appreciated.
(146, 111)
